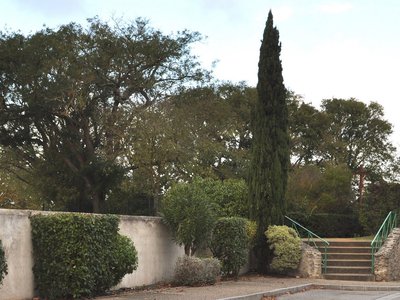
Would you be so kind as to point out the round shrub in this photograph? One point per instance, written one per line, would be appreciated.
(3, 264)
(194, 271)
(77, 255)
(286, 246)
(229, 243)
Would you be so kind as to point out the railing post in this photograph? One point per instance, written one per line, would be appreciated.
(387, 226)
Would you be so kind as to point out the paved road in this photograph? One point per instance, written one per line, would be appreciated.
(341, 295)
(247, 285)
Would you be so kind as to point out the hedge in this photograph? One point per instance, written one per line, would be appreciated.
(229, 243)
(286, 246)
(78, 255)
(330, 225)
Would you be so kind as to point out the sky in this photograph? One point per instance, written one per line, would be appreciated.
(330, 49)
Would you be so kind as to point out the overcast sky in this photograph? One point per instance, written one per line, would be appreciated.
(329, 48)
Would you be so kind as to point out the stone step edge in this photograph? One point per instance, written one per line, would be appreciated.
(356, 275)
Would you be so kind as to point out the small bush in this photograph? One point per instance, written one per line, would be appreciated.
(194, 271)
(79, 255)
(3, 264)
(189, 212)
(286, 246)
(229, 244)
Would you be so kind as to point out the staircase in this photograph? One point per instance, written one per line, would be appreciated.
(349, 259)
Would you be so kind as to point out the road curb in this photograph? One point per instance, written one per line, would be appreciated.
(277, 292)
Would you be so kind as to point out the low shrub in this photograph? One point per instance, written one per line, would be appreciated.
(79, 255)
(229, 243)
(194, 271)
(3, 264)
(286, 246)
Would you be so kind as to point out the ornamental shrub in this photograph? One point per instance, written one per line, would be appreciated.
(194, 271)
(189, 212)
(3, 264)
(229, 243)
(79, 255)
(286, 246)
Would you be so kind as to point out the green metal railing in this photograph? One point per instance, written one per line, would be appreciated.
(311, 240)
(387, 226)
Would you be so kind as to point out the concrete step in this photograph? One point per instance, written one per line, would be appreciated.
(348, 270)
(349, 256)
(341, 249)
(343, 243)
(354, 277)
(350, 262)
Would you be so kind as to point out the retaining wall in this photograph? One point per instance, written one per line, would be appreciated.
(157, 253)
(387, 259)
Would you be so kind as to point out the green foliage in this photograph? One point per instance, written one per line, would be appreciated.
(307, 128)
(231, 197)
(314, 190)
(72, 94)
(286, 246)
(358, 135)
(270, 144)
(380, 198)
(330, 225)
(229, 243)
(129, 199)
(194, 271)
(79, 255)
(343, 131)
(3, 264)
(188, 210)
(251, 231)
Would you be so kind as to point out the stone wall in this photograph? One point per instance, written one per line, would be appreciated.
(157, 253)
(310, 263)
(387, 259)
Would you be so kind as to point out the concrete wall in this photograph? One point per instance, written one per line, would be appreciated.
(157, 253)
(15, 234)
(387, 259)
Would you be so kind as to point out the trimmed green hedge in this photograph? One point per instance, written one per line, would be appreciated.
(78, 255)
(286, 246)
(3, 264)
(330, 225)
(229, 243)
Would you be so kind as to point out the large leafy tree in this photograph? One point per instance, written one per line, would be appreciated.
(357, 135)
(307, 129)
(270, 145)
(201, 131)
(67, 95)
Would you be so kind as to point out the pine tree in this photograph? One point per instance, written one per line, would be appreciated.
(270, 144)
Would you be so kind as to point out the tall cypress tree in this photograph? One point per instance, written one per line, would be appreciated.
(270, 143)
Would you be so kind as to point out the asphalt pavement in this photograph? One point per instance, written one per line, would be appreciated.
(341, 295)
(255, 287)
